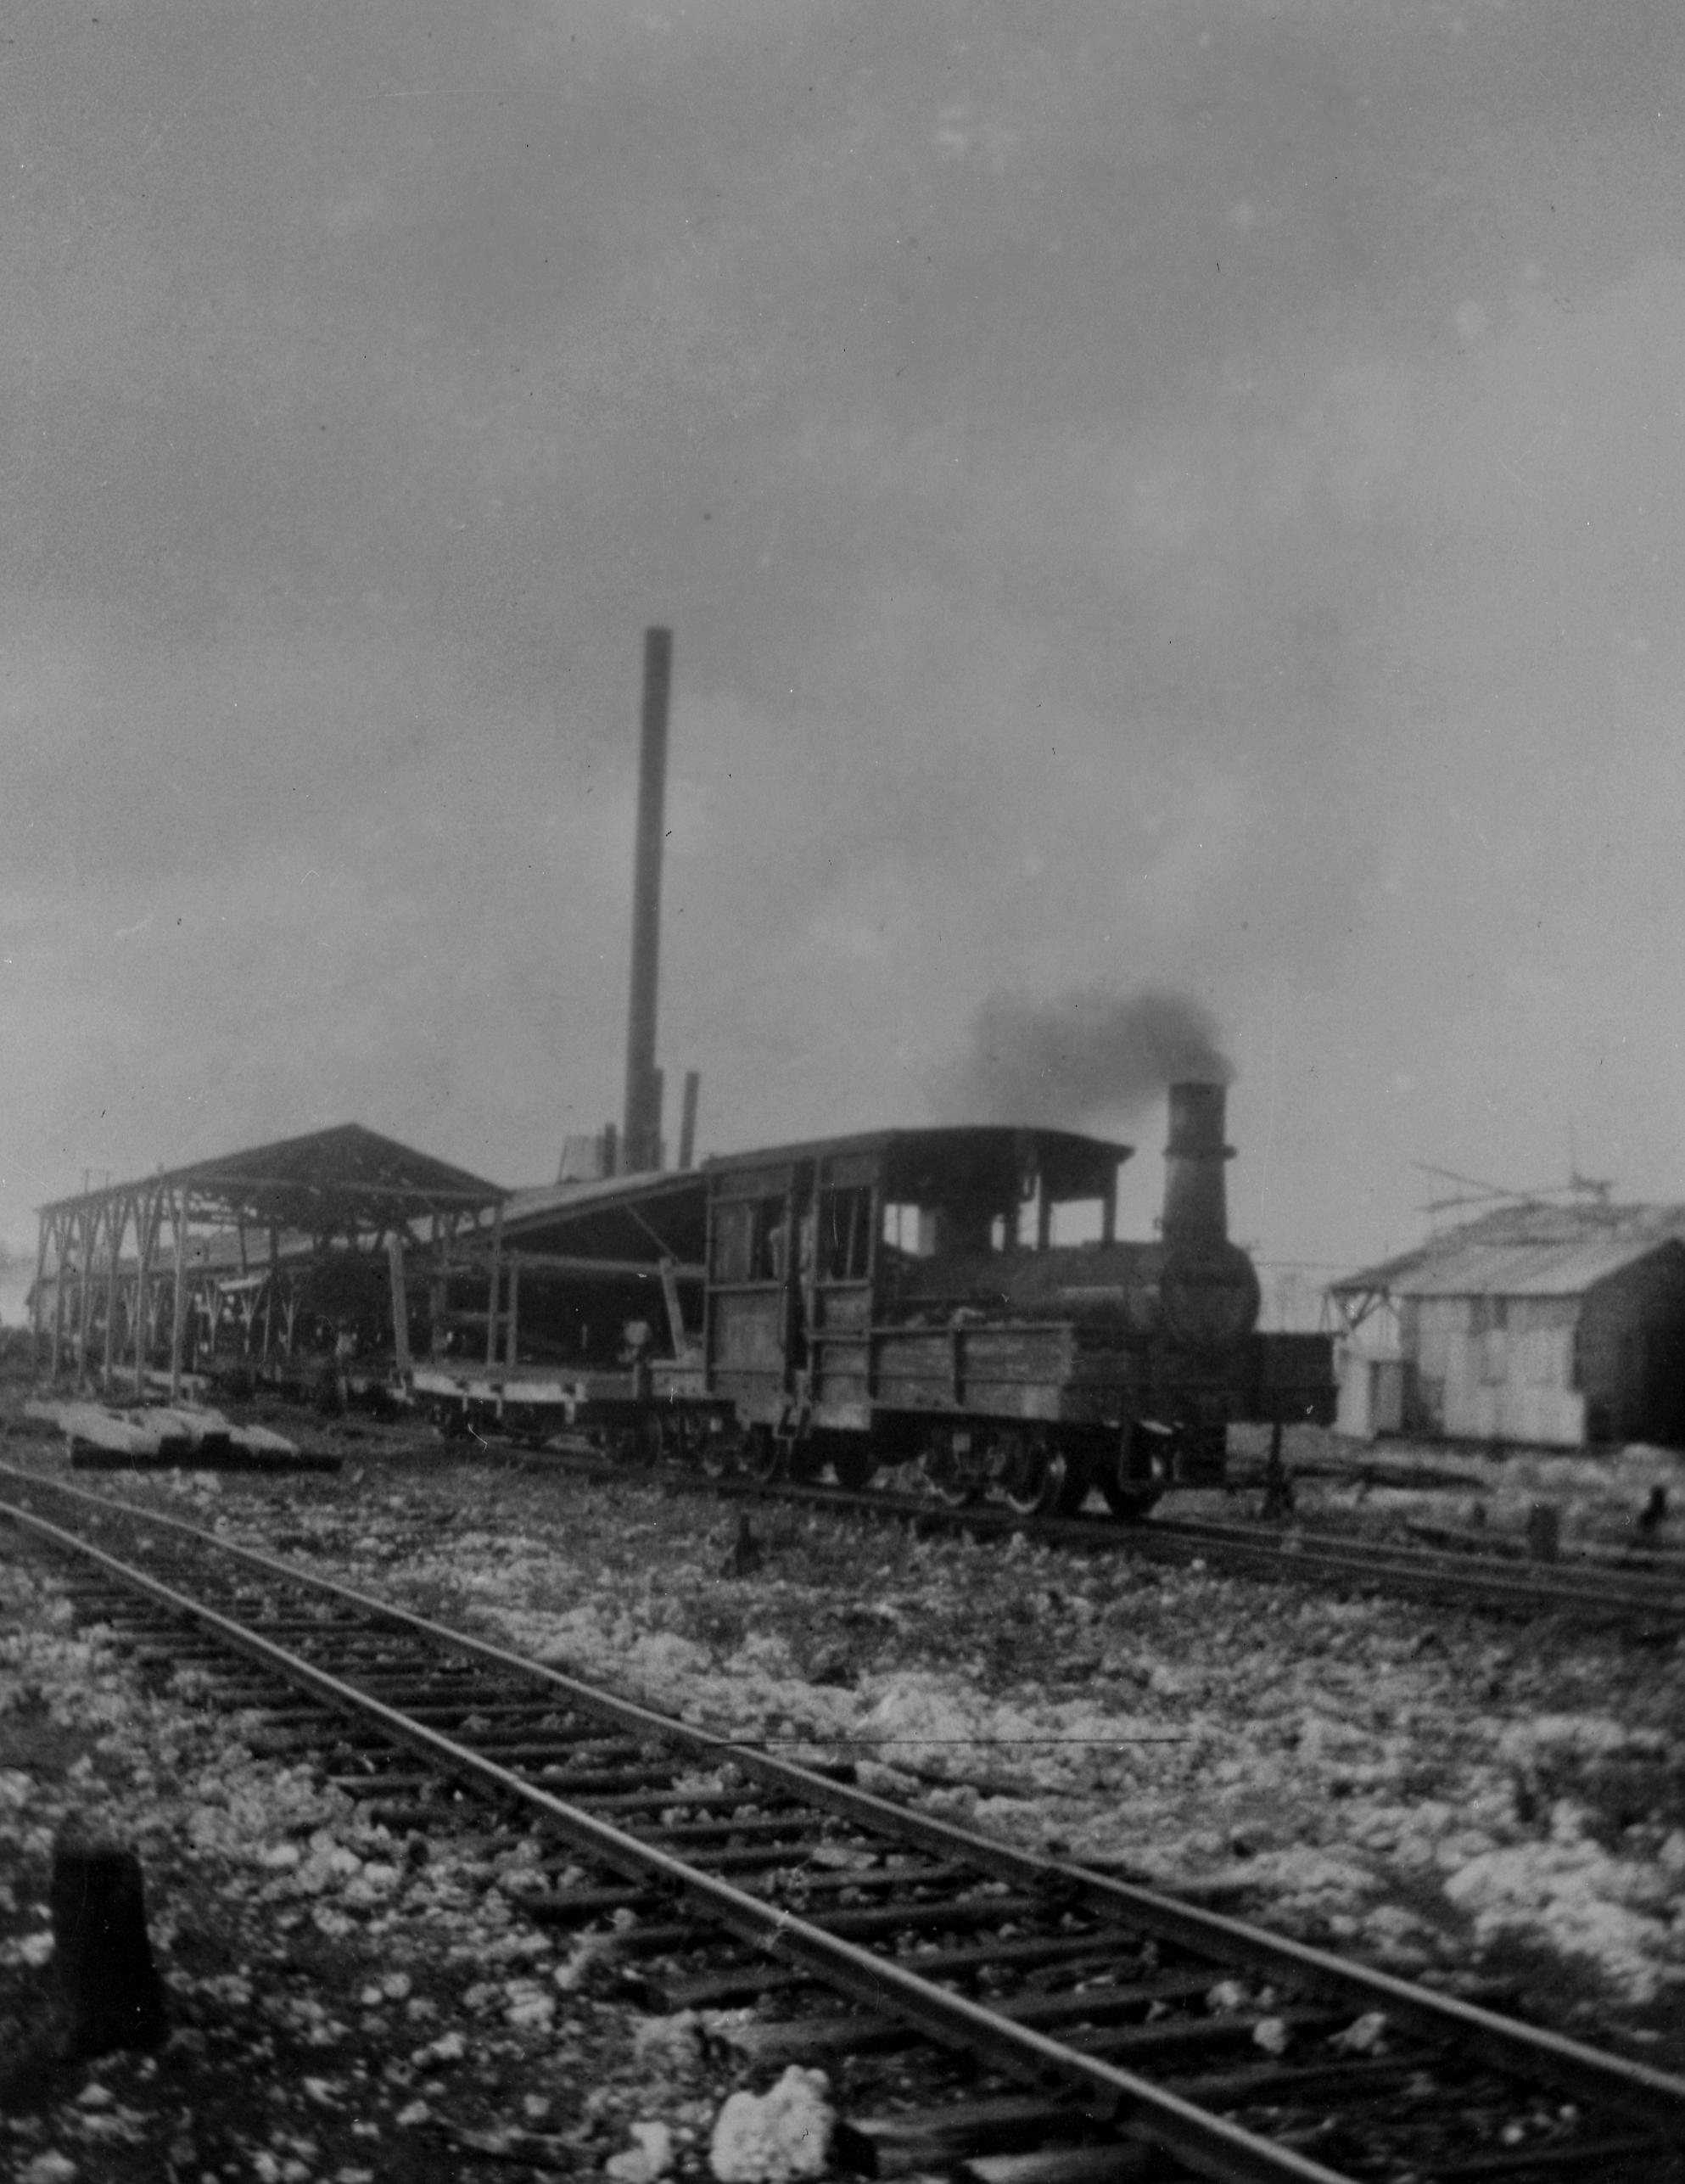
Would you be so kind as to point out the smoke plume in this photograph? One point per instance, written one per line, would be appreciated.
(1081, 1059)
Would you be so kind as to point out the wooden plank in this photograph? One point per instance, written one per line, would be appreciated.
(119, 1431)
(1071, 2165)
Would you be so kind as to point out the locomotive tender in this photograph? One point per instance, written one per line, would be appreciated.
(899, 1296)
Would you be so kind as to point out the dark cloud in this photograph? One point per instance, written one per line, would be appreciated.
(1085, 1060)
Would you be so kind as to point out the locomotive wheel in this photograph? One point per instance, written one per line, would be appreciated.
(854, 1467)
(1039, 1481)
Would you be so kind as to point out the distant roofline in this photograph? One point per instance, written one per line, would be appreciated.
(866, 1141)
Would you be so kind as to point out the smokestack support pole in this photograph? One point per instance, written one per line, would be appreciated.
(639, 1128)
(687, 1126)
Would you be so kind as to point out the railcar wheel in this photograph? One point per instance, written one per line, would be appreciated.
(1038, 1480)
(1131, 1479)
(852, 1467)
(718, 1455)
(763, 1458)
(955, 1484)
(1129, 1504)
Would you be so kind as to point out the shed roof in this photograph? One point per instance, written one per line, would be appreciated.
(987, 1156)
(328, 1179)
(1532, 1250)
(654, 1214)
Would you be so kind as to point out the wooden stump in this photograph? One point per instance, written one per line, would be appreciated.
(108, 1987)
(1544, 1532)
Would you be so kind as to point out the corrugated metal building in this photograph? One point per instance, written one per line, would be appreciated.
(1559, 1326)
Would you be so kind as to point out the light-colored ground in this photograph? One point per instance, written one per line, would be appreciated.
(1443, 1793)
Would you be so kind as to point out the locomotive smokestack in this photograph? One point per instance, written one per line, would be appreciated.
(642, 1123)
(1195, 1200)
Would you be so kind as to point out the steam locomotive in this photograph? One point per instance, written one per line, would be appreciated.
(902, 1297)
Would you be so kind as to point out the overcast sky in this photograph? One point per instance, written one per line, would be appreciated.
(1184, 495)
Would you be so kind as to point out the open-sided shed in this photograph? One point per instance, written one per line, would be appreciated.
(123, 1272)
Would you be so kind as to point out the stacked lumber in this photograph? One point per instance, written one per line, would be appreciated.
(161, 1437)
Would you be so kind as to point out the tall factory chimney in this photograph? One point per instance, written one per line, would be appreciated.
(1195, 1196)
(642, 1128)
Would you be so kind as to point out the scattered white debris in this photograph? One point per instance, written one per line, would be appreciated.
(49, 2169)
(771, 2137)
(1365, 2035)
(675, 2041)
(1271, 2034)
(642, 2163)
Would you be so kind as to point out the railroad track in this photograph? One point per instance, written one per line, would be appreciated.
(1082, 2029)
(1647, 1603)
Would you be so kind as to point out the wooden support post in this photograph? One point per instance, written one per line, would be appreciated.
(440, 1296)
(102, 1964)
(509, 1354)
(35, 1294)
(85, 1293)
(494, 1284)
(148, 1222)
(675, 1317)
(400, 1302)
(58, 1228)
(1044, 1219)
(272, 1295)
(116, 1221)
(1108, 1211)
(177, 1327)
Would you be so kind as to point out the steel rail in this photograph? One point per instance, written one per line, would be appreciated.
(1563, 1590)
(1534, 2053)
(1474, 1576)
(1208, 2144)
(1481, 1579)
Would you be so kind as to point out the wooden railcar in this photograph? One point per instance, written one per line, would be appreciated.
(905, 1294)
